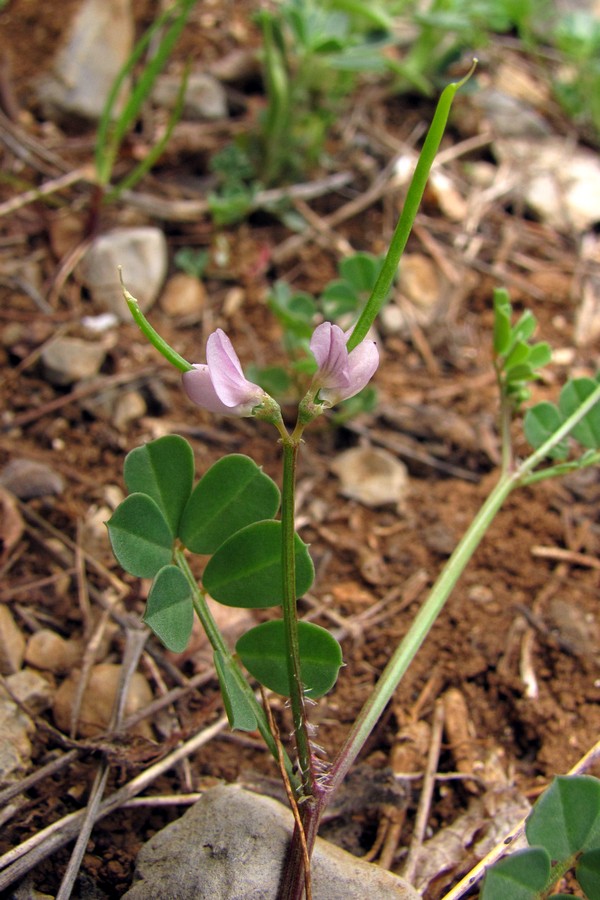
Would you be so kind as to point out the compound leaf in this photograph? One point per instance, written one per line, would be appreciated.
(239, 711)
(540, 423)
(169, 609)
(520, 876)
(233, 493)
(566, 818)
(140, 536)
(246, 570)
(587, 431)
(164, 470)
(263, 652)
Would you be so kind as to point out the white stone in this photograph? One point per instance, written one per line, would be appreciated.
(231, 845)
(372, 476)
(12, 643)
(99, 43)
(183, 295)
(559, 181)
(205, 97)
(98, 700)
(68, 360)
(142, 254)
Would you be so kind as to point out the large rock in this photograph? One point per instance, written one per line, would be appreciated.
(231, 846)
(142, 254)
(99, 43)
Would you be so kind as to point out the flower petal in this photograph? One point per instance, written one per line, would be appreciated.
(362, 365)
(232, 388)
(198, 386)
(328, 346)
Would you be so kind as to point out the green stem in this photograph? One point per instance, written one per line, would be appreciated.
(427, 615)
(290, 613)
(408, 215)
(219, 646)
(149, 332)
(407, 650)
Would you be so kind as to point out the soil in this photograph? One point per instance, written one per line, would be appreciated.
(518, 638)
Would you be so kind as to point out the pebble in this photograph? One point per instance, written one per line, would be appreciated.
(130, 407)
(50, 652)
(31, 689)
(68, 360)
(12, 643)
(183, 295)
(372, 476)
(12, 525)
(98, 700)
(94, 534)
(205, 97)
(561, 183)
(15, 746)
(26, 478)
(99, 43)
(142, 254)
(231, 845)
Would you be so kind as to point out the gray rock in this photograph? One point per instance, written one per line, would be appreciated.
(67, 360)
(27, 478)
(205, 97)
(12, 643)
(372, 476)
(15, 746)
(231, 845)
(99, 43)
(142, 254)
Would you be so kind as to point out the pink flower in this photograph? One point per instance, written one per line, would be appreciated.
(341, 374)
(220, 385)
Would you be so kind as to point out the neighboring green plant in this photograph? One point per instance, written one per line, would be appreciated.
(438, 33)
(192, 262)
(313, 52)
(114, 125)
(563, 832)
(577, 80)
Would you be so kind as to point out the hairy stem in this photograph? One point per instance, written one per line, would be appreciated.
(290, 615)
(219, 646)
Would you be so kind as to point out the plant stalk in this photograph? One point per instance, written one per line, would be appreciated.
(218, 644)
(290, 615)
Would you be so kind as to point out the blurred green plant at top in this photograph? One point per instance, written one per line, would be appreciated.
(114, 126)
(577, 80)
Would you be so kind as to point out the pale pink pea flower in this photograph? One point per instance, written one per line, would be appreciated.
(341, 374)
(220, 385)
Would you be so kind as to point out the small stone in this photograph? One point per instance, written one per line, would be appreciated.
(142, 254)
(67, 360)
(372, 476)
(99, 43)
(559, 182)
(12, 643)
(94, 534)
(31, 689)
(183, 295)
(48, 651)
(11, 522)
(26, 478)
(15, 746)
(231, 846)
(130, 407)
(98, 701)
(205, 97)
